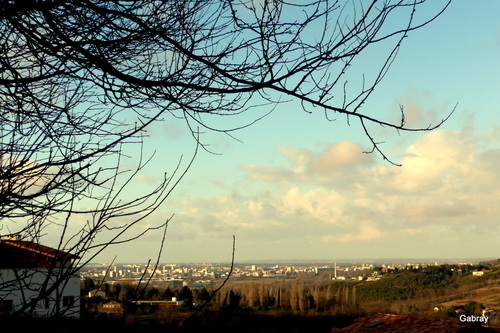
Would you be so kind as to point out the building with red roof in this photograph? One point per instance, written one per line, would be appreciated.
(37, 280)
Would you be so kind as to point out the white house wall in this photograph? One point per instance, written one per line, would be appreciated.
(22, 285)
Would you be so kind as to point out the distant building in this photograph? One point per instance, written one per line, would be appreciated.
(173, 302)
(111, 308)
(97, 293)
(37, 280)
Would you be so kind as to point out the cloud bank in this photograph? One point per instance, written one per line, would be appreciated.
(447, 188)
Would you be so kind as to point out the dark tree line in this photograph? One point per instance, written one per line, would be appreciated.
(295, 296)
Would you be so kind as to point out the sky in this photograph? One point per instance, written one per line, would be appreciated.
(295, 186)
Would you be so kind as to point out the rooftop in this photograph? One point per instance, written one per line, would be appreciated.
(39, 249)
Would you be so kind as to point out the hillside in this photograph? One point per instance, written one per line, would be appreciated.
(419, 293)
(407, 285)
(488, 295)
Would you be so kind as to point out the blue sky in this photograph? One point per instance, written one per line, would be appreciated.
(296, 186)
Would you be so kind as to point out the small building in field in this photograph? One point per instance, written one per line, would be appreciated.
(37, 280)
(111, 308)
(97, 293)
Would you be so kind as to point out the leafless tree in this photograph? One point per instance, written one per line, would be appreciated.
(82, 80)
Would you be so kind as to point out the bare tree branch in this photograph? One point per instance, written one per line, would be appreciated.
(81, 82)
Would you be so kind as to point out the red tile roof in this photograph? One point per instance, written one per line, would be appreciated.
(389, 323)
(39, 249)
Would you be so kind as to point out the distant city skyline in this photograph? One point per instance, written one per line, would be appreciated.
(339, 261)
(200, 275)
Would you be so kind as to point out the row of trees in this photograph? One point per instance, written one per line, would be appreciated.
(294, 296)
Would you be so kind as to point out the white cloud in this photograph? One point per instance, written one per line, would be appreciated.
(319, 204)
(338, 156)
(338, 163)
(365, 233)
